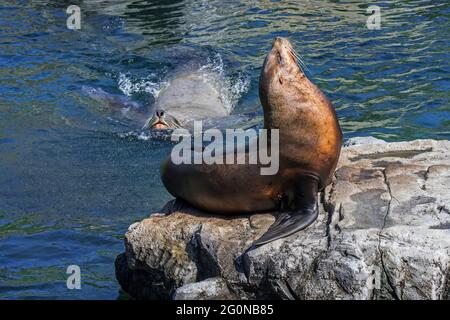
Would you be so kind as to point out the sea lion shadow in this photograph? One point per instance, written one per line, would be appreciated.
(179, 205)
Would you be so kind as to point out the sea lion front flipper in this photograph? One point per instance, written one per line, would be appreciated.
(128, 108)
(288, 223)
(113, 101)
(302, 212)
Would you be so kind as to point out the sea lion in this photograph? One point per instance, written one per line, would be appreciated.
(192, 93)
(310, 143)
(189, 96)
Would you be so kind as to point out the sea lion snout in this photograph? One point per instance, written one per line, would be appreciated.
(278, 41)
(286, 56)
(157, 121)
(282, 61)
(161, 120)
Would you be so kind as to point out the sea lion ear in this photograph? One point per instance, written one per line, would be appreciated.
(280, 79)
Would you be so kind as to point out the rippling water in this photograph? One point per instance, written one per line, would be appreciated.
(72, 179)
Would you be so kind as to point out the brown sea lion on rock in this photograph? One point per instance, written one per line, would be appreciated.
(310, 141)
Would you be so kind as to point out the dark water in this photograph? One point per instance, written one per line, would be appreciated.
(71, 181)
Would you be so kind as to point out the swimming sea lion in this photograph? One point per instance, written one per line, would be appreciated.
(310, 142)
(189, 96)
(193, 93)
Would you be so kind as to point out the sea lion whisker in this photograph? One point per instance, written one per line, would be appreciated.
(303, 64)
(299, 59)
(176, 125)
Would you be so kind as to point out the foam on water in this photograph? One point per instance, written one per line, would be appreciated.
(164, 135)
(129, 84)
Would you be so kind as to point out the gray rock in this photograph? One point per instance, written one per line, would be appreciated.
(362, 140)
(383, 232)
(209, 289)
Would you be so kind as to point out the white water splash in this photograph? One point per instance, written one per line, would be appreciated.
(129, 85)
(230, 88)
(164, 135)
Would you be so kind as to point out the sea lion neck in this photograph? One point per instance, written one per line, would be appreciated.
(282, 102)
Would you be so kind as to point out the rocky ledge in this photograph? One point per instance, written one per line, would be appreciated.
(383, 233)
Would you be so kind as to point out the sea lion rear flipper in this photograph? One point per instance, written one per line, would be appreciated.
(304, 212)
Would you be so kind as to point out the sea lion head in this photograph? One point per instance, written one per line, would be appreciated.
(161, 120)
(279, 80)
